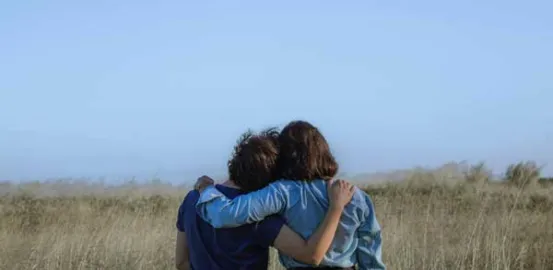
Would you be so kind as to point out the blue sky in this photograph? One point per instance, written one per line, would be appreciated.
(118, 88)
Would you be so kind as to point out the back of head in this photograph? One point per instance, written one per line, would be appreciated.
(252, 165)
(304, 153)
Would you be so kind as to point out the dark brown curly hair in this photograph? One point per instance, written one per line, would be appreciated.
(304, 153)
(253, 162)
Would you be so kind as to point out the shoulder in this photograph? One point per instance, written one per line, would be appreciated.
(186, 208)
(359, 197)
(361, 202)
(283, 186)
(192, 196)
(284, 183)
(190, 199)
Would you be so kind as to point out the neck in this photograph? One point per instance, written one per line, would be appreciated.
(230, 183)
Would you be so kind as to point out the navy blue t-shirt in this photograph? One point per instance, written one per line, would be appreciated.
(245, 247)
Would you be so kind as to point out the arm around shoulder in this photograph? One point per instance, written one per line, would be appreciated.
(314, 249)
(222, 212)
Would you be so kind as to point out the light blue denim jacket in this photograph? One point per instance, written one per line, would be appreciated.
(303, 204)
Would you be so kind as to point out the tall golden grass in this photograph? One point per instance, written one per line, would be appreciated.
(426, 224)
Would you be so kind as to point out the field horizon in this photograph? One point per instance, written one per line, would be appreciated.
(431, 219)
(157, 185)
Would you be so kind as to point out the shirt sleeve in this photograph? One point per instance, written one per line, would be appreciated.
(369, 249)
(268, 230)
(221, 212)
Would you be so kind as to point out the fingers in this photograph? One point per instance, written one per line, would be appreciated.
(203, 182)
(205, 178)
(341, 186)
(346, 186)
(197, 186)
(343, 183)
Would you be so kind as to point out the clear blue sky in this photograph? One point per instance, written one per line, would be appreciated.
(90, 88)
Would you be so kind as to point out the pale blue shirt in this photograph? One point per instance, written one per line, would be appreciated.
(303, 204)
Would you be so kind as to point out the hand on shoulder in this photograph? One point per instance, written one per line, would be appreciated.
(203, 182)
(340, 193)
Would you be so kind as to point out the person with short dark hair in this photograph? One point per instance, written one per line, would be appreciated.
(254, 160)
(251, 167)
(305, 166)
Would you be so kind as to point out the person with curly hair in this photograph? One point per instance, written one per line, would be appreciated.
(304, 167)
(252, 165)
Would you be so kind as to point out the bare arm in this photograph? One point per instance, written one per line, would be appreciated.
(313, 250)
(182, 260)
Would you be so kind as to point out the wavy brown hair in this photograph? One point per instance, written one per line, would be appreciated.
(304, 153)
(253, 163)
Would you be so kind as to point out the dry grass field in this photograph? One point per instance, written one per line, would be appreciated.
(428, 223)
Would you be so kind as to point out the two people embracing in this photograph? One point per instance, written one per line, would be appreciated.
(281, 192)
